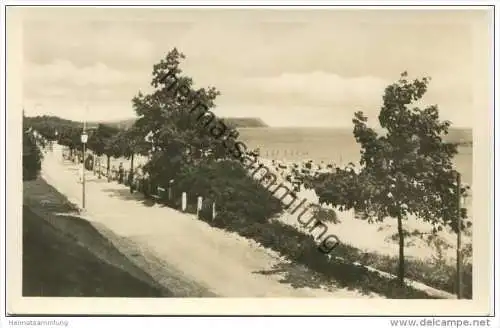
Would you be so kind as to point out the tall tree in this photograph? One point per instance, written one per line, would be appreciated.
(100, 142)
(406, 171)
(70, 136)
(177, 120)
(128, 143)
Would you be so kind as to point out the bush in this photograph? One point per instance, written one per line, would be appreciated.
(238, 197)
(325, 215)
(32, 157)
(89, 165)
(442, 277)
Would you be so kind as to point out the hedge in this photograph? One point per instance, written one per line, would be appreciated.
(32, 157)
(422, 271)
(237, 196)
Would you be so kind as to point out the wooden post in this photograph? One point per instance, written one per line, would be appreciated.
(184, 201)
(459, 238)
(99, 168)
(200, 205)
(170, 189)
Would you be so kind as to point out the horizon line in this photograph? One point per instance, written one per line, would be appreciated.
(118, 120)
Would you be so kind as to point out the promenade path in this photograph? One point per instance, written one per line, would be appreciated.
(178, 250)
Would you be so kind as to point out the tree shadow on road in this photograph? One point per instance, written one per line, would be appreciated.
(298, 276)
(344, 275)
(124, 194)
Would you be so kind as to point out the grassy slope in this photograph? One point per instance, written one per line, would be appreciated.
(55, 264)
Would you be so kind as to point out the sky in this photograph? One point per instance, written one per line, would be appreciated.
(288, 67)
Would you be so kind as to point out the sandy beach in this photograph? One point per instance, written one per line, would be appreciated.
(354, 232)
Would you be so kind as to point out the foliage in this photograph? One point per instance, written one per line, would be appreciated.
(126, 143)
(322, 214)
(178, 134)
(69, 132)
(47, 126)
(89, 162)
(32, 157)
(426, 272)
(71, 137)
(100, 139)
(409, 170)
(237, 195)
(405, 171)
(342, 188)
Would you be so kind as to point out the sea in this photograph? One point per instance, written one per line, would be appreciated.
(327, 145)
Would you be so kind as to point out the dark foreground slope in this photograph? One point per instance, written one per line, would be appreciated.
(56, 264)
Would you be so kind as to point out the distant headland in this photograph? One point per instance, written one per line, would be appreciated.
(235, 122)
(245, 122)
(462, 136)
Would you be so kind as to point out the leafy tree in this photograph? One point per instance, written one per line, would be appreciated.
(100, 142)
(128, 143)
(32, 156)
(71, 137)
(405, 171)
(349, 190)
(97, 141)
(176, 118)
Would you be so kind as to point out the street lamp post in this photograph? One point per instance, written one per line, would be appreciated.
(84, 138)
(459, 235)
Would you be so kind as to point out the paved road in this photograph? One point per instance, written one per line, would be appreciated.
(178, 250)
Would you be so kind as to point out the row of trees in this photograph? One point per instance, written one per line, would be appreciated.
(176, 138)
(103, 139)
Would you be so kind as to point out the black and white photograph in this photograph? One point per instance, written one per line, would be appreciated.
(334, 155)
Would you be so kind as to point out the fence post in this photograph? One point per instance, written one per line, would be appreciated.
(184, 201)
(200, 204)
(213, 211)
(170, 189)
